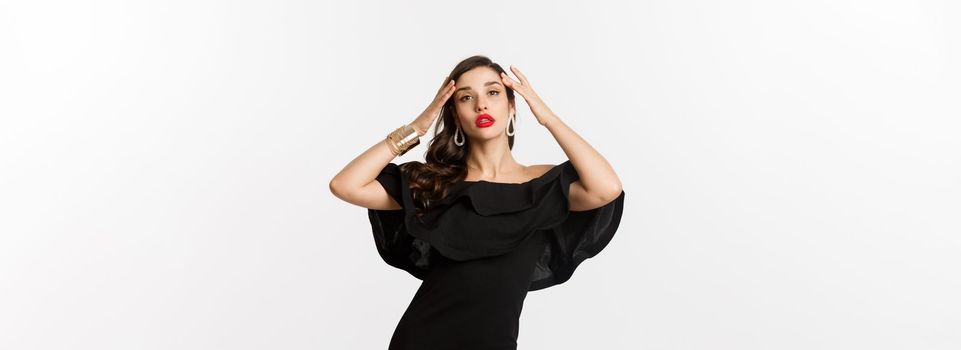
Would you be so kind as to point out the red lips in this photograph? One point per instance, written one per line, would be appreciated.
(484, 120)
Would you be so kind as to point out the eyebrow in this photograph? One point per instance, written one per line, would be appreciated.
(485, 84)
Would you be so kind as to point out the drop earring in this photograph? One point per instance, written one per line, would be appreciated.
(511, 128)
(456, 133)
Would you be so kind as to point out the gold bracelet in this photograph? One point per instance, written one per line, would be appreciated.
(402, 140)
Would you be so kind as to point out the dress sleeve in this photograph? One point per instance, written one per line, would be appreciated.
(576, 235)
(394, 244)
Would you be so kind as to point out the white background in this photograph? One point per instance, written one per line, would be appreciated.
(791, 169)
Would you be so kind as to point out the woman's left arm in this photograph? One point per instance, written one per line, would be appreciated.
(598, 184)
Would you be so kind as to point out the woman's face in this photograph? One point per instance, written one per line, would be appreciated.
(477, 92)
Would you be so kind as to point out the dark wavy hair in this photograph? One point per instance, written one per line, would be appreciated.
(446, 163)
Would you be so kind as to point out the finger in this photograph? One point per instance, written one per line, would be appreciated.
(445, 90)
(519, 75)
(447, 82)
(509, 81)
(450, 90)
(444, 95)
(517, 87)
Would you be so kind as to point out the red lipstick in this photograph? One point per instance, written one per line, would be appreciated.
(484, 120)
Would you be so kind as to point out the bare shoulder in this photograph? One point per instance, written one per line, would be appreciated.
(538, 170)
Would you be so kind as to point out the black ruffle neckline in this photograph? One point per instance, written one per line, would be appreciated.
(493, 198)
(482, 218)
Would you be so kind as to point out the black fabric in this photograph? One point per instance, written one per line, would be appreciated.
(481, 249)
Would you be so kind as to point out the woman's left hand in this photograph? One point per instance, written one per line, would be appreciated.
(523, 87)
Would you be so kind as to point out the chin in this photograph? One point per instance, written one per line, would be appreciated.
(489, 133)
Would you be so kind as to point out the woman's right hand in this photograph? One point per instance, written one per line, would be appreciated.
(356, 182)
(423, 121)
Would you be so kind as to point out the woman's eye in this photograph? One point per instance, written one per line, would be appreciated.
(462, 98)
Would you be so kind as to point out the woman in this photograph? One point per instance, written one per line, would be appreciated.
(480, 229)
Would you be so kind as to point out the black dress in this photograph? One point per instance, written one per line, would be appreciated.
(480, 250)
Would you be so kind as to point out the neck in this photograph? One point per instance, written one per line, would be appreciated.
(491, 158)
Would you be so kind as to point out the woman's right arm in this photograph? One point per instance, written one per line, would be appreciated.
(356, 183)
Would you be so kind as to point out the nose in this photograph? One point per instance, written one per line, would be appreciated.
(481, 104)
